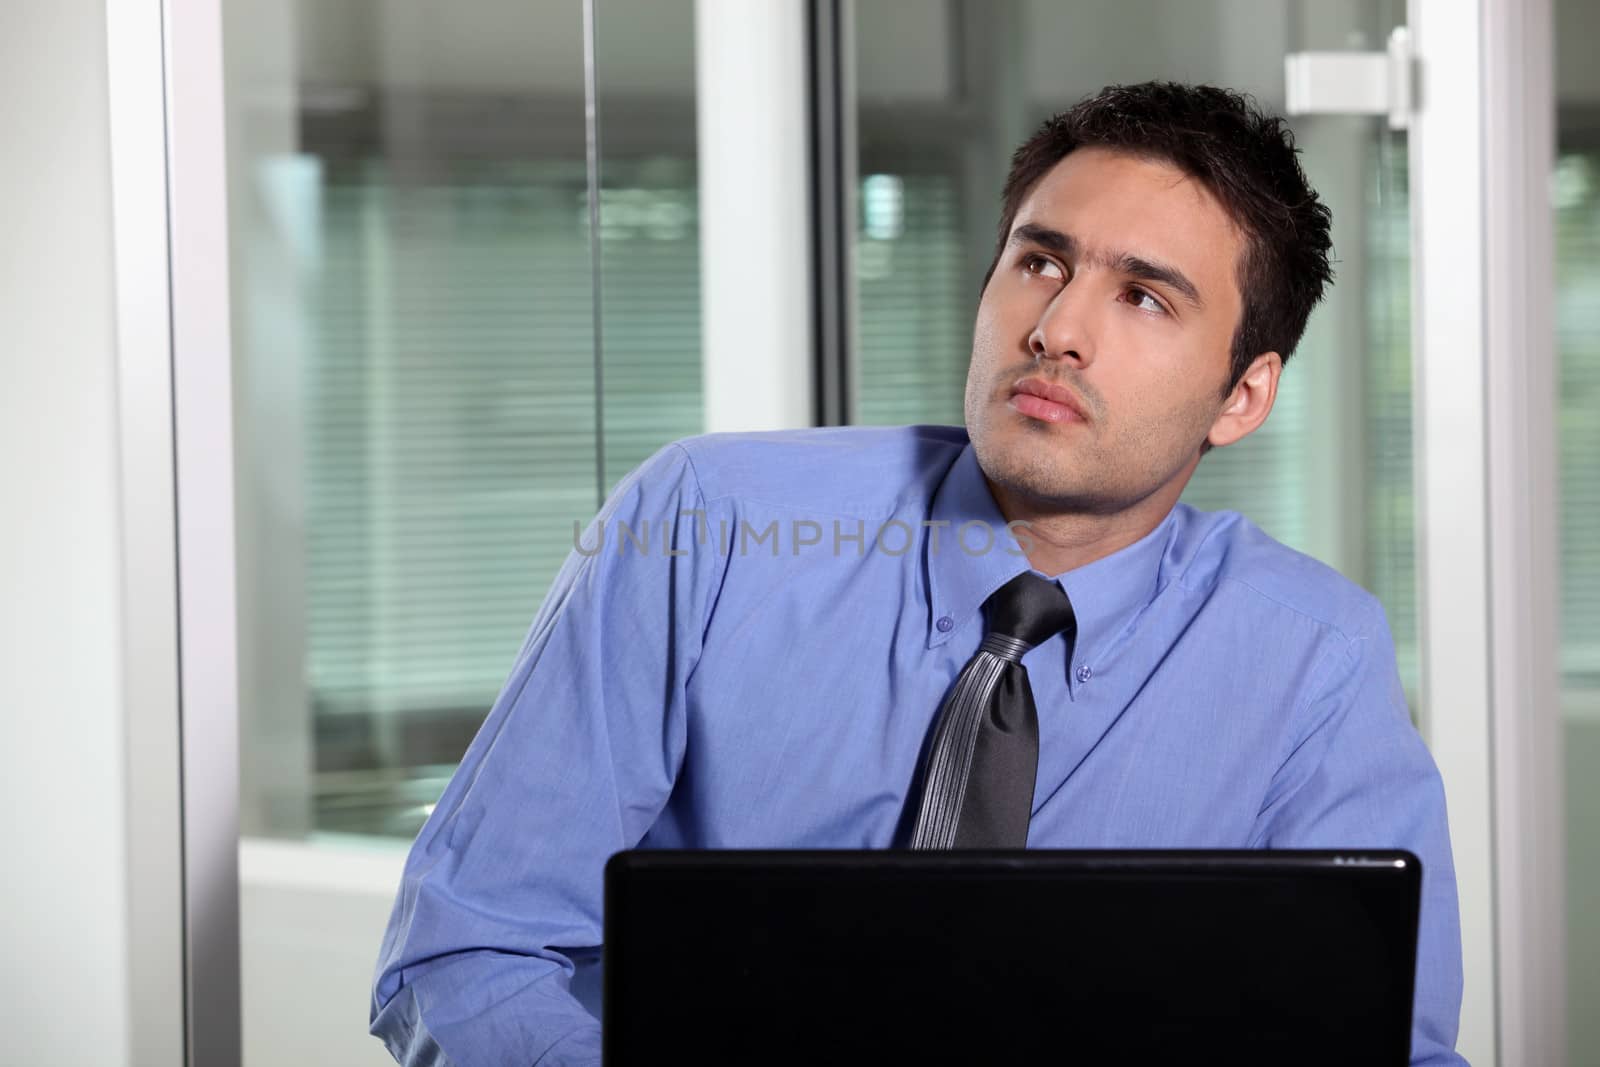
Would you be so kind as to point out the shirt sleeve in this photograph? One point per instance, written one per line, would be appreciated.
(502, 890)
(1362, 778)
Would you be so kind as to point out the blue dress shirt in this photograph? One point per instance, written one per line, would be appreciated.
(747, 648)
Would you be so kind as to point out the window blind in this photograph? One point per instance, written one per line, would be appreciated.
(913, 323)
(451, 430)
(649, 307)
(1391, 555)
(452, 435)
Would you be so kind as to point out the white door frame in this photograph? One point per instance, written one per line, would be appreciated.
(147, 480)
(1519, 124)
(1484, 358)
(202, 398)
(1485, 365)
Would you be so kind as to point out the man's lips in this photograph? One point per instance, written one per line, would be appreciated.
(1043, 400)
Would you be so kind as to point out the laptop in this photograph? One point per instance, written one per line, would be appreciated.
(974, 956)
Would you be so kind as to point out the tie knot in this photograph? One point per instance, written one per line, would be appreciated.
(1029, 609)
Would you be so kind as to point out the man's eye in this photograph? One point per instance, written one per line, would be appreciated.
(1042, 266)
(1136, 295)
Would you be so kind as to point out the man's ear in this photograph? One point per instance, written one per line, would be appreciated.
(1249, 403)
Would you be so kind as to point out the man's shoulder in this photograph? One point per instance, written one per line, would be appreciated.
(1230, 554)
(859, 470)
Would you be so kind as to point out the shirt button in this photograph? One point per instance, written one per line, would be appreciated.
(1085, 673)
(945, 624)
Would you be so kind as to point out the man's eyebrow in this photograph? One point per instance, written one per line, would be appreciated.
(1160, 273)
(1133, 266)
(1031, 233)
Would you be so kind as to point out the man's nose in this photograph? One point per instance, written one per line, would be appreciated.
(1063, 330)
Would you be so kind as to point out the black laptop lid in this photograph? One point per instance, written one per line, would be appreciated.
(984, 957)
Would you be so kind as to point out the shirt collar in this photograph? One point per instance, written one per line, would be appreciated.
(1107, 595)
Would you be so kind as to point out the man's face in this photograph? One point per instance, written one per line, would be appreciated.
(1117, 289)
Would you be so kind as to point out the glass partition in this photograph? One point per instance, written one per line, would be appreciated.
(417, 407)
(435, 377)
(649, 239)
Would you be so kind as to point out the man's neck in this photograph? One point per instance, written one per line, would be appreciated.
(1057, 542)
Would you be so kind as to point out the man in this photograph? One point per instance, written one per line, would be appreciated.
(752, 644)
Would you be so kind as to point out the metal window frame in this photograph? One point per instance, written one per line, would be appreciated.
(831, 111)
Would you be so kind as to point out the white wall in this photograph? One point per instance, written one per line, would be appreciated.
(63, 924)
(311, 919)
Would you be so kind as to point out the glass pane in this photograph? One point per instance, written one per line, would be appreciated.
(649, 229)
(1389, 566)
(1576, 191)
(944, 95)
(416, 431)
(416, 384)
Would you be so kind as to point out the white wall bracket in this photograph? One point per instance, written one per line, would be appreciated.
(1354, 83)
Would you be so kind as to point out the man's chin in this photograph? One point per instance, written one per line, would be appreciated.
(1028, 472)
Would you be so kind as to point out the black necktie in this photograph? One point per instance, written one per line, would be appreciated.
(978, 780)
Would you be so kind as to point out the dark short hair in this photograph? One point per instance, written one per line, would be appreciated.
(1244, 158)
